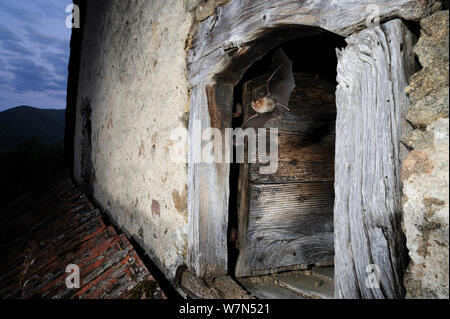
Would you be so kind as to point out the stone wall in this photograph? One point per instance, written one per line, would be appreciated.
(425, 171)
(133, 91)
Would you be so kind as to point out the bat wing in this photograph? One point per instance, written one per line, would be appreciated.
(261, 120)
(282, 82)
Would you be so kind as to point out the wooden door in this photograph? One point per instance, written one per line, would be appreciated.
(286, 218)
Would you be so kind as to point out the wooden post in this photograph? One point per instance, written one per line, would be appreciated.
(373, 72)
(208, 188)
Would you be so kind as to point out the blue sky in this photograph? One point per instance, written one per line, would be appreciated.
(34, 53)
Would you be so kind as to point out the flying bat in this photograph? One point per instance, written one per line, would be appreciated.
(279, 88)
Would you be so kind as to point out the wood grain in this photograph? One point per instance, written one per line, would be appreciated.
(251, 29)
(306, 132)
(373, 72)
(285, 223)
(298, 162)
(208, 188)
(240, 23)
(288, 225)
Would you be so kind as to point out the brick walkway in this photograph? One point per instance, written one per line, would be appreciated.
(44, 232)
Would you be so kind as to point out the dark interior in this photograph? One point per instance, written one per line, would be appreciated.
(315, 54)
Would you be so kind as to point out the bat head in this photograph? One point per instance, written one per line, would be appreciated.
(263, 104)
(258, 103)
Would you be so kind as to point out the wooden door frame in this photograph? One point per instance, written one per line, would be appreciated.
(373, 73)
(220, 53)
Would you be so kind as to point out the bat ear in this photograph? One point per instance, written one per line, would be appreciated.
(280, 56)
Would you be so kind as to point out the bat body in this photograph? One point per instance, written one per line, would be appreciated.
(279, 89)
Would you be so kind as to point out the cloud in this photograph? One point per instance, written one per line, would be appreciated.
(34, 53)
(7, 35)
(27, 75)
(12, 48)
(58, 60)
(11, 43)
(19, 12)
(54, 9)
(44, 40)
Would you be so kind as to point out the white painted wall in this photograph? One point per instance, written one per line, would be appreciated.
(133, 74)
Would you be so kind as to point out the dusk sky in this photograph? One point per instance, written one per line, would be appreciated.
(34, 53)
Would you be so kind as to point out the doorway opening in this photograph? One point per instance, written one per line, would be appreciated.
(281, 225)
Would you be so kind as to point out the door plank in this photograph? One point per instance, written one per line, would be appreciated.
(288, 225)
(300, 159)
(286, 218)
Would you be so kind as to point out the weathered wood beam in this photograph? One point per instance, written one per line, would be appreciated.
(240, 22)
(208, 185)
(373, 72)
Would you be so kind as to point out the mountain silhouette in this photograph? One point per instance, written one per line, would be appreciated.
(22, 123)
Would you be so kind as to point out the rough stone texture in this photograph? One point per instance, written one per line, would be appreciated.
(417, 139)
(206, 8)
(425, 170)
(133, 76)
(432, 47)
(428, 109)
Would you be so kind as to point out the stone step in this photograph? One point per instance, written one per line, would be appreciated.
(315, 283)
(266, 289)
(307, 285)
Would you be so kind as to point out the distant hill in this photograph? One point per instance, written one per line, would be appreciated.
(21, 123)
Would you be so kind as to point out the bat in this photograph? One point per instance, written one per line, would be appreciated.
(279, 88)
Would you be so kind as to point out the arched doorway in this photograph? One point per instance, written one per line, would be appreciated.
(372, 74)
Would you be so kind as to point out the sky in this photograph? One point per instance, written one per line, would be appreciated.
(34, 53)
